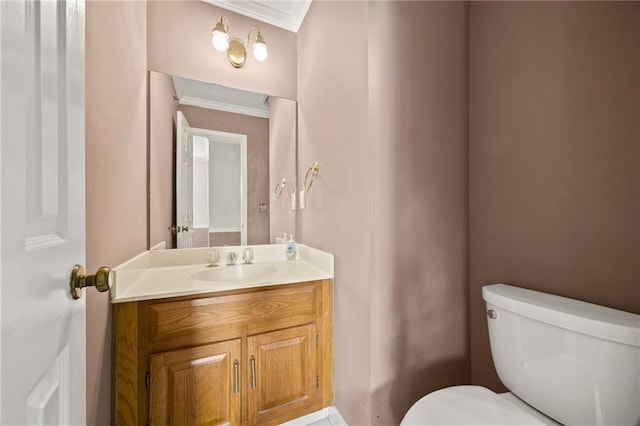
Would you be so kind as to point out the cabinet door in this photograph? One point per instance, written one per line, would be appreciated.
(282, 374)
(196, 386)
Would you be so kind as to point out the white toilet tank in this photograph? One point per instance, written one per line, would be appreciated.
(576, 362)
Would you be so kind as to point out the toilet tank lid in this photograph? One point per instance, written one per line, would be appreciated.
(570, 314)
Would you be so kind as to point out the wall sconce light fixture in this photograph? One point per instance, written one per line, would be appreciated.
(235, 48)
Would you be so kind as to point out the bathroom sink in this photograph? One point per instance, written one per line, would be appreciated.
(234, 273)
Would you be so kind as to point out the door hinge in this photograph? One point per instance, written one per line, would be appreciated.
(317, 381)
(147, 380)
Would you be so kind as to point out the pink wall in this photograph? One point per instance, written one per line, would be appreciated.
(391, 198)
(282, 163)
(332, 129)
(257, 131)
(217, 239)
(116, 158)
(418, 208)
(179, 34)
(200, 237)
(162, 132)
(554, 155)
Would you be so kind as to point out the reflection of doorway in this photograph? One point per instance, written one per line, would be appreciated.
(220, 187)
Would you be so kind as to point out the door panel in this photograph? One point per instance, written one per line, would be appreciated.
(45, 403)
(196, 386)
(283, 369)
(228, 183)
(43, 211)
(184, 183)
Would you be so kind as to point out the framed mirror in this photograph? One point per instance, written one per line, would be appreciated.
(222, 164)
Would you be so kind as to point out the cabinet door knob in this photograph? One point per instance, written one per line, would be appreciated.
(78, 280)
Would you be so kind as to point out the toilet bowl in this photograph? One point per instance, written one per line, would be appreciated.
(564, 361)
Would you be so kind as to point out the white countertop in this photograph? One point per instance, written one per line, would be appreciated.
(158, 274)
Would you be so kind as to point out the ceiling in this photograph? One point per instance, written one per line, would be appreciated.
(287, 14)
(222, 98)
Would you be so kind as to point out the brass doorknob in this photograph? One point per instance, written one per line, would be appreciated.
(101, 280)
(174, 229)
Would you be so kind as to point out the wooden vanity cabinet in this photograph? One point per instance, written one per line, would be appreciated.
(282, 374)
(196, 386)
(248, 357)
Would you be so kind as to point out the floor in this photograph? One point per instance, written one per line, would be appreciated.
(322, 422)
(329, 416)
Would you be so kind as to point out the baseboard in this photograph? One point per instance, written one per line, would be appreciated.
(316, 416)
(335, 418)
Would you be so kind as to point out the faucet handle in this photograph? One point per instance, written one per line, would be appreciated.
(213, 257)
(247, 255)
(232, 256)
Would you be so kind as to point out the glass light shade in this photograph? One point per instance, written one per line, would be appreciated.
(260, 49)
(220, 38)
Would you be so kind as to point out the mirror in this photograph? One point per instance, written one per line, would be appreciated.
(222, 164)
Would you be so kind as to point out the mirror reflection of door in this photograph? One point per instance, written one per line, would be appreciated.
(184, 182)
(219, 188)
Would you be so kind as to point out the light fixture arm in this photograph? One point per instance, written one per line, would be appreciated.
(220, 35)
(224, 22)
(249, 41)
(258, 44)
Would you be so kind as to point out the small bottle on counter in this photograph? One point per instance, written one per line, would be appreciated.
(292, 248)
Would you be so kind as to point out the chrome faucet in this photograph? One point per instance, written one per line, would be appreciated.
(247, 255)
(232, 257)
(213, 257)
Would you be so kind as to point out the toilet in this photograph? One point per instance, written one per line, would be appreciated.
(564, 362)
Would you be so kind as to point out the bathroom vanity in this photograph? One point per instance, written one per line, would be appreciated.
(232, 346)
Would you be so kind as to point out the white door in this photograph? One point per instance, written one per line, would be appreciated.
(227, 182)
(42, 212)
(184, 183)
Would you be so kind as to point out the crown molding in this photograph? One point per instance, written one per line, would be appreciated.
(268, 12)
(221, 106)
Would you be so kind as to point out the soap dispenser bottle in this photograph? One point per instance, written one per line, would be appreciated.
(292, 248)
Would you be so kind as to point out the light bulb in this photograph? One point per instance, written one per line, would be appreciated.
(260, 49)
(220, 39)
